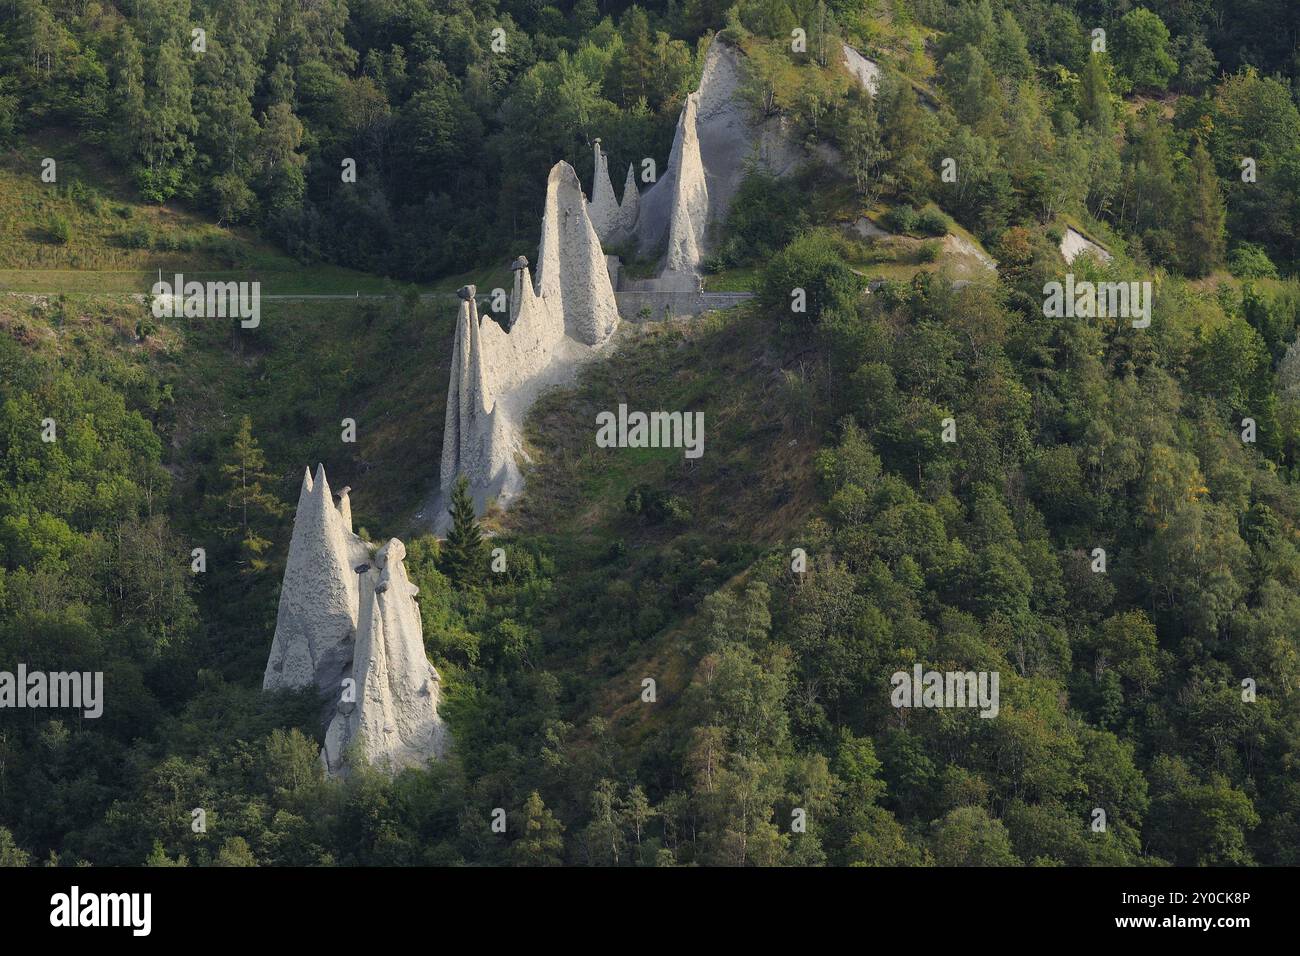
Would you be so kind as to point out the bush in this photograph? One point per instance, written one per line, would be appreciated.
(1249, 261)
(657, 507)
(929, 251)
(87, 197)
(765, 216)
(813, 264)
(719, 261)
(59, 230)
(901, 219)
(137, 238)
(157, 185)
(933, 222)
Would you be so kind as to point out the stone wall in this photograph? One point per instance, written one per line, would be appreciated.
(676, 304)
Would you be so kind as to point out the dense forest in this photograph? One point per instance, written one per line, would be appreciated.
(1172, 137)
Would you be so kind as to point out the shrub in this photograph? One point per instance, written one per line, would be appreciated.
(87, 197)
(137, 238)
(657, 507)
(929, 251)
(718, 262)
(901, 219)
(933, 222)
(1249, 261)
(59, 230)
(812, 263)
(157, 185)
(765, 216)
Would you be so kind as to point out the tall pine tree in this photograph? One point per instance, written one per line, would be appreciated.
(462, 553)
(248, 504)
(1095, 107)
(1205, 216)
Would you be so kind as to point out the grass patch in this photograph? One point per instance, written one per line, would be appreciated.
(87, 232)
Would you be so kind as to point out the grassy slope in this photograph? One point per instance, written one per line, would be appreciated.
(101, 210)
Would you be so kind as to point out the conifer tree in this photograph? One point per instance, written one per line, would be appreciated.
(542, 840)
(463, 550)
(251, 507)
(1205, 216)
(1094, 97)
(636, 73)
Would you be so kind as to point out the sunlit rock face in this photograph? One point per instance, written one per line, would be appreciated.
(717, 141)
(556, 325)
(349, 625)
(1075, 244)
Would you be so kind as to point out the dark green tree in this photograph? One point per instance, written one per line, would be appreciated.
(252, 508)
(462, 553)
(1205, 232)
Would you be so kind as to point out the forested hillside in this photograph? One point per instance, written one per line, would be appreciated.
(1162, 687)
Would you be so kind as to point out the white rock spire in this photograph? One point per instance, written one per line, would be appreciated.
(318, 599)
(555, 326)
(614, 223)
(393, 716)
(689, 212)
(604, 210)
(346, 615)
(630, 210)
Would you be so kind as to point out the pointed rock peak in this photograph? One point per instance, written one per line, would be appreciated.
(600, 184)
(523, 290)
(629, 184)
(304, 493)
(321, 486)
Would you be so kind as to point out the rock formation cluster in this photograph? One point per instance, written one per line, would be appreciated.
(554, 327)
(716, 142)
(349, 625)
(571, 312)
